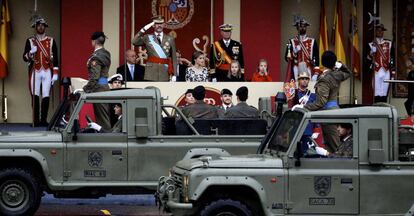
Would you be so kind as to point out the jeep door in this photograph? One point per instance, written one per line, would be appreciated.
(323, 185)
(96, 156)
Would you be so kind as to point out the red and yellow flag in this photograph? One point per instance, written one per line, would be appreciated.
(323, 32)
(338, 33)
(354, 41)
(4, 33)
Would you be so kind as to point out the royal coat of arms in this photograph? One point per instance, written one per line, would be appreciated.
(177, 13)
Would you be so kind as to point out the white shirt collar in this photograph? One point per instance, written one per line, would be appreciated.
(129, 64)
(161, 34)
(226, 41)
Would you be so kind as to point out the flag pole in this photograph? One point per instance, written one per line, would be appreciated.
(352, 81)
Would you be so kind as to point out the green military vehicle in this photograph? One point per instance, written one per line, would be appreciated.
(283, 179)
(70, 161)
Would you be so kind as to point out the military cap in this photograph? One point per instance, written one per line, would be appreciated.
(189, 91)
(300, 21)
(379, 26)
(226, 27)
(242, 93)
(39, 20)
(158, 19)
(116, 77)
(303, 74)
(199, 92)
(97, 35)
(226, 91)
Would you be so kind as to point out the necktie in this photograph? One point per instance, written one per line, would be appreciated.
(227, 43)
(159, 38)
(131, 70)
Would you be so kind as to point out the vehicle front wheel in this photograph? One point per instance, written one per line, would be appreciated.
(226, 207)
(20, 192)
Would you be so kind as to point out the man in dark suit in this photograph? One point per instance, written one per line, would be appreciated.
(133, 71)
(222, 52)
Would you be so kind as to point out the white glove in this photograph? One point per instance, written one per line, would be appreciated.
(321, 151)
(173, 79)
(297, 106)
(33, 49)
(214, 80)
(146, 27)
(338, 65)
(315, 135)
(94, 126)
(77, 91)
(373, 49)
(54, 78)
(296, 49)
(314, 77)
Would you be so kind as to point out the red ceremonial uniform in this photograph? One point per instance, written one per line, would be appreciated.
(303, 49)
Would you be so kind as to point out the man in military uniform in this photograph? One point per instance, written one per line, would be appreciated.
(41, 53)
(382, 57)
(117, 128)
(98, 67)
(327, 89)
(162, 61)
(223, 51)
(303, 51)
(302, 94)
(242, 109)
(345, 147)
(226, 100)
(200, 109)
(116, 81)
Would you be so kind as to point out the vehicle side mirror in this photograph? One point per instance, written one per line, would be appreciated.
(75, 130)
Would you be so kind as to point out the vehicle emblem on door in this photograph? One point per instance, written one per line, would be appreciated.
(322, 185)
(95, 159)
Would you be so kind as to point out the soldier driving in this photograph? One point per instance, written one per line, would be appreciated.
(98, 66)
(222, 52)
(162, 61)
(117, 128)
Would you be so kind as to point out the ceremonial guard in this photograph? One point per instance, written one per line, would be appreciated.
(222, 53)
(162, 61)
(381, 56)
(303, 51)
(98, 67)
(41, 54)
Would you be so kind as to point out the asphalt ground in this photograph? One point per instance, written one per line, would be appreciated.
(120, 205)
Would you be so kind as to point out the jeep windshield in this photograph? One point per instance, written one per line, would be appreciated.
(285, 131)
(62, 114)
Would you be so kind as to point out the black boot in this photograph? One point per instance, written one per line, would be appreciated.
(44, 111)
(384, 99)
(35, 105)
(377, 99)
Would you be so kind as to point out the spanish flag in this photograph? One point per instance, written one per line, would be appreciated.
(323, 31)
(354, 41)
(338, 33)
(4, 32)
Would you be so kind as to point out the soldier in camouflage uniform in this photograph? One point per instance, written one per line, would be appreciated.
(345, 147)
(327, 90)
(242, 109)
(200, 109)
(98, 67)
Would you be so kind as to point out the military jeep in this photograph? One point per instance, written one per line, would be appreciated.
(72, 161)
(282, 179)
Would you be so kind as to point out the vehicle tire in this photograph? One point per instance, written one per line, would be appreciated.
(20, 192)
(226, 207)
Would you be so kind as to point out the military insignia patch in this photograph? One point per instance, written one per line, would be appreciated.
(322, 185)
(95, 159)
(177, 13)
(236, 50)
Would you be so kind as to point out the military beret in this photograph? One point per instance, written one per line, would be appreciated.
(158, 19)
(97, 35)
(226, 27)
(226, 91)
(199, 92)
(39, 20)
(116, 77)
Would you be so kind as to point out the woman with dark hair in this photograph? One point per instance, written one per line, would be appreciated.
(198, 72)
(235, 74)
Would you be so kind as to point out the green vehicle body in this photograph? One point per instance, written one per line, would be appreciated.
(376, 180)
(70, 164)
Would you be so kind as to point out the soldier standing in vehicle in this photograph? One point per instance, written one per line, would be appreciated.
(327, 90)
(98, 67)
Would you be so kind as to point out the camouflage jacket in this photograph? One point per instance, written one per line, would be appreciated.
(98, 67)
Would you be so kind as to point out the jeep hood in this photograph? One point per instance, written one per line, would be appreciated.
(244, 161)
(36, 136)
